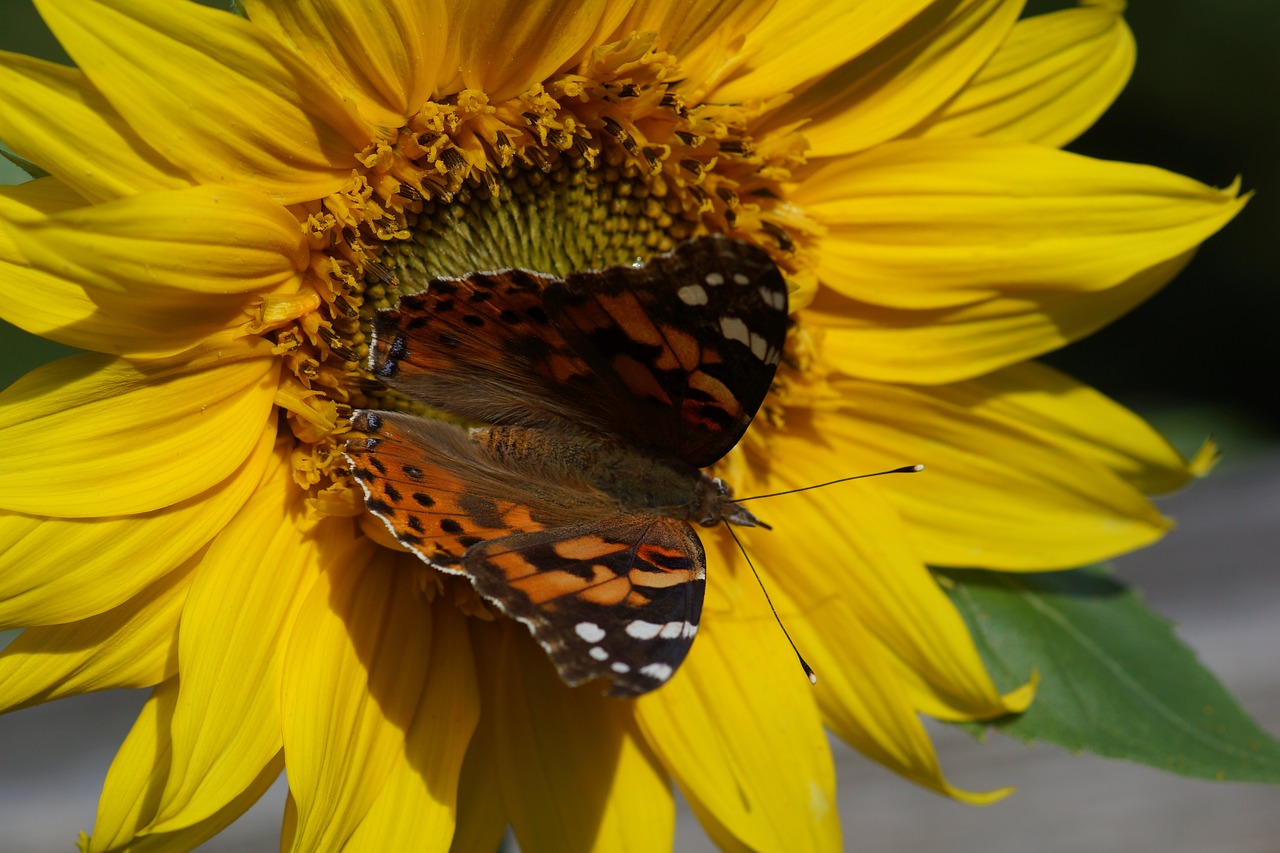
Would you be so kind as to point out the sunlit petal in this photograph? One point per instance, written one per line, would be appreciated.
(252, 113)
(104, 427)
(1049, 82)
(757, 769)
(226, 727)
(901, 79)
(103, 159)
(132, 645)
(934, 346)
(574, 775)
(798, 41)
(55, 570)
(362, 722)
(993, 493)
(943, 223)
(205, 239)
(138, 775)
(387, 56)
(511, 44)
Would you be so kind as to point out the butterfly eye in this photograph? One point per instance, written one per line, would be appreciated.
(722, 488)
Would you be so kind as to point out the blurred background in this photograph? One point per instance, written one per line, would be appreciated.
(1200, 358)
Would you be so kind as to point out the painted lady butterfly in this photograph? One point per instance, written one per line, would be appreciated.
(607, 392)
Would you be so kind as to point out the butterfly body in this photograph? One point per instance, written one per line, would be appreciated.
(635, 480)
(605, 395)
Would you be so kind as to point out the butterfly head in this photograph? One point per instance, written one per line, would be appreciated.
(715, 504)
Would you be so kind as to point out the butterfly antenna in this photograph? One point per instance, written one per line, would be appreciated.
(906, 469)
(808, 670)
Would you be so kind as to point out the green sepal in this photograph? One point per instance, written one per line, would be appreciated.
(31, 169)
(1114, 678)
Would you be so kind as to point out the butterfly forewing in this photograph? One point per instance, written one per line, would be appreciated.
(482, 348)
(693, 338)
(674, 356)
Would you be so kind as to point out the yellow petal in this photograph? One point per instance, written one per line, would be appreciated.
(482, 814)
(796, 42)
(929, 699)
(55, 570)
(388, 57)
(247, 591)
(508, 45)
(843, 553)
(213, 94)
(419, 798)
(738, 727)
(101, 156)
(934, 346)
(1049, 82)
(378, 703)
(993, 493)
(202, 239)
(139, 322)
(574, 775)
(132, 645)
(33, 201)
(865, 701)
(137, 776)
(705, 36)
(116, 439)
(1076, 419)
(949, 222)
(901, 80)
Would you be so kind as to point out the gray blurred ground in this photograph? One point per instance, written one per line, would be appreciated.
(1215, 576)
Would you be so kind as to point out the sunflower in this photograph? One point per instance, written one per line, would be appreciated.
(227, 201)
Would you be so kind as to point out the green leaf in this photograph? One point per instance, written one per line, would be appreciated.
(1114, 679)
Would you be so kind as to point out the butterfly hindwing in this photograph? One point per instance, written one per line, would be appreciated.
(609, 596)
(618, 598)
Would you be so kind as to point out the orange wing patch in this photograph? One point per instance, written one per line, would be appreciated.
(430, 508)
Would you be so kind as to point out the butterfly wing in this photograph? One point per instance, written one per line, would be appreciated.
(483, 348)
(674, 356)
(609, 596)
(618, 598)
(691, 339)
(440, 493)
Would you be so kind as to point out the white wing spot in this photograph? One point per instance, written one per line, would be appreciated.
(739, 278)
(643, 630)
(735, 330)
(598, 653)
(759, 346)
(689, 629)
(589, 631)
(775, 299)
(671, 630)
(619, 667)
(714, 279)
(657, 670)
(692, 294)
